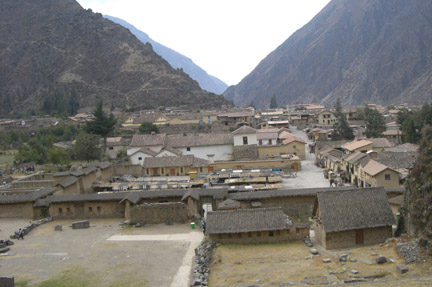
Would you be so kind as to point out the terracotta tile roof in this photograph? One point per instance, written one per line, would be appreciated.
(354, 209)
(146, 151)
(373, 168)
(147, 140)
(380, 143)
(200, 140)
(244, 130)
(293, 139)
(171, 149)
(247, 220)
(356, 144)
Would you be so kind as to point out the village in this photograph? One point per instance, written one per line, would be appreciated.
(205, 185)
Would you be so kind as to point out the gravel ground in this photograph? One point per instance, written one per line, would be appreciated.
(155, 255)
(310, 176)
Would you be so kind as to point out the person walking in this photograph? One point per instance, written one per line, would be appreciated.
(20, 234)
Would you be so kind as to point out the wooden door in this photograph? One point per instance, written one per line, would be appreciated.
(359, 236)
(295, 167)
(210, 169)
(172, 171)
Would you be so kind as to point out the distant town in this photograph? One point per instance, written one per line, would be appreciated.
(329, 177)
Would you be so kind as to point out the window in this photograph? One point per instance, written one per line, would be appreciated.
(163, 170)
(294, 146)
(271, 234)
(181, 170)
(200, 169)
(140, 158)
(90, 209)
(99, 209)
(387, 177)
(111, 147)
(68, 210)
(260, 142)
(188, 148)
(270, 142)
(148, 171)
(297, 230)
(60, 210)
(245, 140)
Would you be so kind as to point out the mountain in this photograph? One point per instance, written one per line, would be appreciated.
(55, 55)
(362, 51)
(177, 60)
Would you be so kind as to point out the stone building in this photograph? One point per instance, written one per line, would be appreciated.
(260, 225)
(349, 218)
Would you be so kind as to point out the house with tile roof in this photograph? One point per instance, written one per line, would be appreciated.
(357, 146)
(174, 165)
(374, 174)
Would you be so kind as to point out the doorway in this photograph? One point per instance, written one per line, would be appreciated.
(359, 236)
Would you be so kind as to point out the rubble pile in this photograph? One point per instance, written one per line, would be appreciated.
(203, 256)
(409, 250)
(33, 224)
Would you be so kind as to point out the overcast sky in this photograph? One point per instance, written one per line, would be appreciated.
(227, 38)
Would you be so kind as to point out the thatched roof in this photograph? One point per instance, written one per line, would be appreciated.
(229, 204)
(29, 197)
(353, 209)
(247, 220)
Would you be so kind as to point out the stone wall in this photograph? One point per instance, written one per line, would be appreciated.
(293, 233)
(159, 213)
(91, 209)
(245, 152)
(17, 210)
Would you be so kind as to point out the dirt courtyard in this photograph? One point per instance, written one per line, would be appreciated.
(288, 264)
(106, 254)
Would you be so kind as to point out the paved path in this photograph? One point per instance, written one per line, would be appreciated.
(194, 238)
(310, 176)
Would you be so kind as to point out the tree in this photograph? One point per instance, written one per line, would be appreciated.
(409, 132)
(359, 114)
(375, 123)
(102, 124)
(341, 128)
(252, 104)
(273, 102)
(58, 156)
(87, 147)
(148, 128)
(403, 114)
(418, 196)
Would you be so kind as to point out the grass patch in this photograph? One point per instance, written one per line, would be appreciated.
(72, 277)
(22, 283)
(6, 159)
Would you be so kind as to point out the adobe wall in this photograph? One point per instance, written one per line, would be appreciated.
(347, 239)
(282, 164)
(91, 209)
(293, 233)
(17, 210)
(159, 213)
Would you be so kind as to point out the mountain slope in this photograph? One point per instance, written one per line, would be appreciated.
(360, 51)
(177, 60)
(56, 50)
